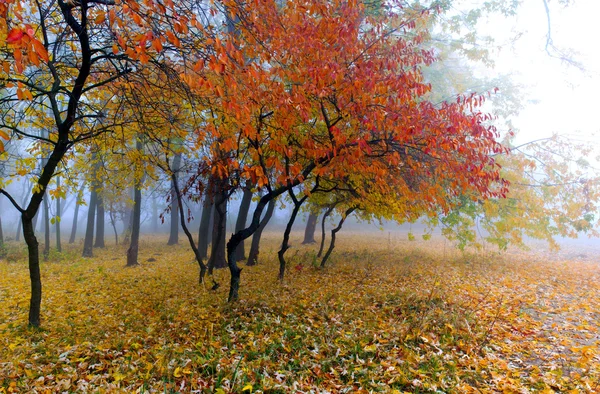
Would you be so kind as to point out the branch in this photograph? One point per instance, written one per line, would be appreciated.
(12, 200)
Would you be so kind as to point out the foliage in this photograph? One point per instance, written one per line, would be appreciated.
(388, 316)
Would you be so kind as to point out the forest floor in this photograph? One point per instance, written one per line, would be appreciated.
(387, 315)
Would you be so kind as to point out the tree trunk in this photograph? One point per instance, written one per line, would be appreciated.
(58, 218)
(88, 243)
(288, 229)
(325, 216)
(46, 229)
(204, 233)
(99, 223)
(75, 217)
(111, 215)
(132, 252)
(333, 232)
(189, 236)
(217, 250)
(35, 302)
(242, 217)
(154, 215)
(174, 233)
(309, 231)
(255, 245)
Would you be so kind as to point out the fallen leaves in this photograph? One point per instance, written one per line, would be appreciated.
(384, 318)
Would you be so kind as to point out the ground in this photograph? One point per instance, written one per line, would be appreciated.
(387, 315)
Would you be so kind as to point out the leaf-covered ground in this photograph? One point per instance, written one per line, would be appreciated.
(387, 316)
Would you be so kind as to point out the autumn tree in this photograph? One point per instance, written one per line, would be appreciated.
(334, 92)
(56, 59)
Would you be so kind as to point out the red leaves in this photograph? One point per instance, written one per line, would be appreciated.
(15, 36)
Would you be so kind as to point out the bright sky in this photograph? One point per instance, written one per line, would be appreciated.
(561, 99)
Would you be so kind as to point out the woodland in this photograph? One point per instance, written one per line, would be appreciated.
(185, 143)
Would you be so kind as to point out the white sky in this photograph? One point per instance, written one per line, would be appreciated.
(560, 98)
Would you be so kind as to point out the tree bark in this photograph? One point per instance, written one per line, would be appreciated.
(333, 233)
(309, 231)
(34, 271)
(174, 233)
(88, 243)
(286, 234)
(217, 250)
(132, 252)
(58, 218)
(204, 233)
(99, 222)
(75, 216)
(325, 216)
(255, 245)
(46, 252)
(242, 217)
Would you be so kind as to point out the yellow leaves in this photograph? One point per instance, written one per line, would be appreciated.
(247, 387)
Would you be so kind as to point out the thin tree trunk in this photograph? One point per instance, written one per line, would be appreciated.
(288, 229)
(174, 233)
(88, 243)
(76, 216)
(154, 214)
(204, 233)
(132, 252)
(99, 223)
(111, 215)
(46, 252)
(309, 231)
(333, 232)
(325, 216)
(242, 217)
(189, 236)
(58, 218)
(217, 250)
(255, 245)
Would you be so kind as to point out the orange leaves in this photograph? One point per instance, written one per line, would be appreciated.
(3, 136)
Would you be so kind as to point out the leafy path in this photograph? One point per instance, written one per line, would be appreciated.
(388, 316)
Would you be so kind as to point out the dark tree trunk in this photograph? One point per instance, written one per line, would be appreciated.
(58, 219)
(88, 243)
(46, 252)
(242, 217)
(132, 252)
(309, 231)
(35, 302)
(217, 250)
(325, 216)
(174, 233)
(286, 234)
(333, 232)
(255, 245)
(204, 233)
(75, 217)
(128, 220)
(189, 236)
(99, 223)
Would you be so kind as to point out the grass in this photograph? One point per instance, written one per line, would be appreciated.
(387, 315)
